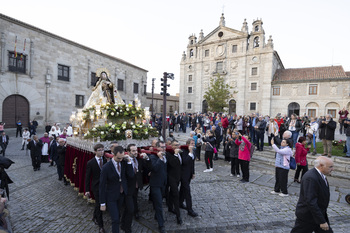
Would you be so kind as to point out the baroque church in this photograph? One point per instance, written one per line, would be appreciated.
(258, 80)
(45, 77)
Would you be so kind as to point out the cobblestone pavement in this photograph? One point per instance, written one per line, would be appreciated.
(41, 203)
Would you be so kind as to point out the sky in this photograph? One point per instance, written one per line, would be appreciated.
(153, 34)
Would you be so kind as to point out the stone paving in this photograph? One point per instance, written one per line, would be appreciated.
(41, 203)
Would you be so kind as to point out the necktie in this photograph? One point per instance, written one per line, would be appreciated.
(325, 180)
(120, 177)
(178, 155)
(100, 163)
(135, 165)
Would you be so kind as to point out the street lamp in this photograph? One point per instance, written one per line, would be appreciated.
(153, 79)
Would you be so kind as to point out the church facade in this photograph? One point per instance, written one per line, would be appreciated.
(258, 80)
(45, 77)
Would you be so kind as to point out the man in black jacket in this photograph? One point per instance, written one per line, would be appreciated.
(35, 147)
(327, 127)
(61, 154)
(92, 177)
(187, 174)
(4, 141)
(174, 175)
(134, 184)
(311, 210)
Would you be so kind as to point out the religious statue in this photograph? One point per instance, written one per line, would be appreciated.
(104, 92)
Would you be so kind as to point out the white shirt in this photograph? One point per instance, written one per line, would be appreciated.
(98, 160)
(191, 155)
(322, 175)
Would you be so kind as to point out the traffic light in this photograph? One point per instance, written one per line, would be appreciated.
(164, 84)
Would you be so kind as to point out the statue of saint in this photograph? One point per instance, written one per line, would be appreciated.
(104, 91)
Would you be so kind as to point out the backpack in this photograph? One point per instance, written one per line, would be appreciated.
(252, 150)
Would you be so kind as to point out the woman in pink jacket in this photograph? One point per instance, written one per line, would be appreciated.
(300, 158)
(244, 156)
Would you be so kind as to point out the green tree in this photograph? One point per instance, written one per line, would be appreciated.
(218, 94)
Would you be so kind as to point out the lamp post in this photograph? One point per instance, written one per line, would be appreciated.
(153, 79)
(164, 89)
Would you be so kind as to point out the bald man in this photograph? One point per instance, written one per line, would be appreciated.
(311, 210)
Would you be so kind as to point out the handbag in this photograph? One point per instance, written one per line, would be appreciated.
(292, 163)
(214, 148)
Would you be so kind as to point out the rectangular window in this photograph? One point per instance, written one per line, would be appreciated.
(79, 100)
(313, 89)
(311, 112)
(206, 53)
(136, 88)
(252, 106)
(171, 109)
(94, 79)
(219, 67)
(234, 48)
(255, 71)
(189, 90)
(145, 89)
(189, 105)
(161, 108)
(190, 78)
(253, 86)
(275, 90)
(63, 73)
(332, 112)
(120, 85)
(17, 64)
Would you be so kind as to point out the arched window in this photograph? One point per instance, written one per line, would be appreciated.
(257, 28)
(293, 108)
(191, 53)
(256, 42)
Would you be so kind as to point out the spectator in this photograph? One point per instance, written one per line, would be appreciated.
(2, 125)
(327, 127)
(343, 114)
(4, 142)
(25, 137)
(294, 125)
(244, 156)
(347, 132)
(198, 145)
(300, 158)
(281, 126)
(19, 128)
(282, 167)
(210, 142)
(233, 152)
(35, 147)
(313, 128)
(271, 130)
(260, 132)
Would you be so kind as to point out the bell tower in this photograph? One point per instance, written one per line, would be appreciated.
(257, 35)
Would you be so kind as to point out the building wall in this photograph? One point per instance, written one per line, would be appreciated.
(51, 99)
(172, 104)
(237, 68)
(331, 95)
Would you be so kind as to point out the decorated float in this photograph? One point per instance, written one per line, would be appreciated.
(105, 118)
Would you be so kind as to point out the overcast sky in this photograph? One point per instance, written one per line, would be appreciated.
(153, 34)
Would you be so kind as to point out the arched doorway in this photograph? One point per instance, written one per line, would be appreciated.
(14, 108)
(204, 106)
(293, 108)
(232, 107)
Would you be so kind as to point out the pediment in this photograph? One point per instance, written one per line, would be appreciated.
(223, 33)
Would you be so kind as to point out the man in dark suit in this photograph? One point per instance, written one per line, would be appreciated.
(134, 184)
(92, 176)
(187, 174)
(158, 181)
(114, 184)
(35, 147)
(53, 151)
(4, 142)
(174, 175)
(311, 210)
(61, 156)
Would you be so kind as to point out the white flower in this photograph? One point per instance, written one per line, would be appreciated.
(140, 115)
(113, 126)
(124, 123)
(107, 107)
(124, 127)
(133, 126)
(127, 109)
(118, 131)
(102, 132)
(146, 133)
(151, 127)
(121, 110)
(110, 123)
(140, 126)
(131, 123)
(117, 113)
(94, 129)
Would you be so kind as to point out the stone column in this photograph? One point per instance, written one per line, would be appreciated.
(89, 74)
(3, 46)
(31, 68)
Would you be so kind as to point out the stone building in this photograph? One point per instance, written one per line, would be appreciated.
(243, 58)
(52, 76)
(172, 104)
(259, 82)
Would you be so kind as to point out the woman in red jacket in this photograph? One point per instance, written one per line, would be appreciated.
(300, 158)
